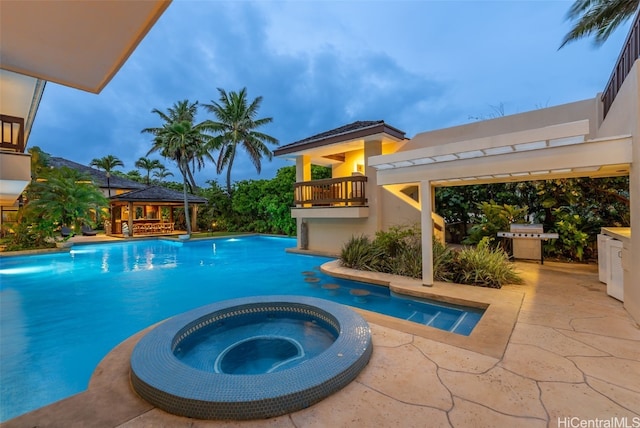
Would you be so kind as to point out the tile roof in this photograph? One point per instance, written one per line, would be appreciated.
(97, 176)
(157, 194)
(353, 130)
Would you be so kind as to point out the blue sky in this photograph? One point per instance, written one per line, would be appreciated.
(417, 65)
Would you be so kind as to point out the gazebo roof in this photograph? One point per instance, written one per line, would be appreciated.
(157, 194)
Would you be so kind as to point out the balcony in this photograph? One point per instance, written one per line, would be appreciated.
(15, 174)
(343, 191)
(342, 197)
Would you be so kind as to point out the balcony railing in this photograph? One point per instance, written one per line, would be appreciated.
(343, 191)
(630, 52)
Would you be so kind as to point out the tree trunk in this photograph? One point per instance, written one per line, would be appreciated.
(229, 172)
(186, 201)
(192, 181)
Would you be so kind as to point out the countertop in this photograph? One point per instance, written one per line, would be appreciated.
(621, 233)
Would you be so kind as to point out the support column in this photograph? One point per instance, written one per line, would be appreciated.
(303, 168)
(130, 218)
(194, 217)
(426, 223)
(373, 192)
(303, 173)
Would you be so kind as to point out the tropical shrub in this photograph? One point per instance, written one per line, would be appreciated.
(398, 251)
(442, 262)
(216, 214)
(61, 196)
(358, 253)
(262, 206)
(64, 197)
(31, 232)
(484, 266)
(494, 218)
(456, 204)
(408, 260)
(597, 201)
(572, 240)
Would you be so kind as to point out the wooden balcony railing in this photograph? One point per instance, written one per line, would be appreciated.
(343, 191)
(630, 52)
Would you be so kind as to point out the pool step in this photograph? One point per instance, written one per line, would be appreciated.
(433, 318)
(458, 321)
(422, 318)
(412, 316)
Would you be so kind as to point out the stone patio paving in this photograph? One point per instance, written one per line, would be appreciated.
(572, 356)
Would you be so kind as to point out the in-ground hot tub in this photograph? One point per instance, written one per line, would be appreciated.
(250, 358)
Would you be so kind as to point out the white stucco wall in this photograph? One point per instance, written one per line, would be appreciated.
(624, 118)
(396, 212)
(329, 235)
(565, 113)
(346, 168)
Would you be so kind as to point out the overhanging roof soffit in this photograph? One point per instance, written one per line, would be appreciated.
(74, 43)
(604, 157)
(565, 134)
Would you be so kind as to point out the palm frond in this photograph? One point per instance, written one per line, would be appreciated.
(598, 18)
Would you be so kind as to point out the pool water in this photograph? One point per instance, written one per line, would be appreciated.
(60, 314)
(271, 345)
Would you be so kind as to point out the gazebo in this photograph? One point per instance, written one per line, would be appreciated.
(149, 211)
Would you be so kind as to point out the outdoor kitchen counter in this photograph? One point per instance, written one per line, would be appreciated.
(620, 233)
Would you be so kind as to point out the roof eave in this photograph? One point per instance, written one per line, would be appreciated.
(381, 128)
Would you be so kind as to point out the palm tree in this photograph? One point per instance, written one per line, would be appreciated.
(133, 175)
(161, 173)
(599, 17)
(65, 197)
(148, 165)
(182, 142)
(236, 124)
(179, 112)
(39, 162)
(108, 164)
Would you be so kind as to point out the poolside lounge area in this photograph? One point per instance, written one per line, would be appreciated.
(573, 352)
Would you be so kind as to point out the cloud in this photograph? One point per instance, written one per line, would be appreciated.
(322, 64)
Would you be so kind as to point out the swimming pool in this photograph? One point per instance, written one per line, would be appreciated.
(60, 314)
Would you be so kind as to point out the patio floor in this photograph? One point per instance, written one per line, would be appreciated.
(572, 354)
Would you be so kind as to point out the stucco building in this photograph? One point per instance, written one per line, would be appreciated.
(380, 178)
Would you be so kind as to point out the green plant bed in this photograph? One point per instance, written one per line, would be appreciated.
(399, 252)
(483, 266)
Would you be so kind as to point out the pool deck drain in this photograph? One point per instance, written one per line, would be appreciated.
(573, 352)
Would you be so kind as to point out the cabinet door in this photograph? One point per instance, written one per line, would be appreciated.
(615, 282)
(603, 258)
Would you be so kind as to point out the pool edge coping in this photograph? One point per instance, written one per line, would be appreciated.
(489, 337)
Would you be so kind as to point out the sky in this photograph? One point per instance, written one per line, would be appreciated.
(417, 65)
